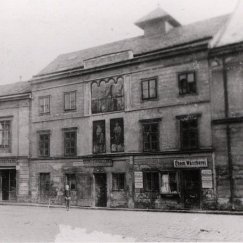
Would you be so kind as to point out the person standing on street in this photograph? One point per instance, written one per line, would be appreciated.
(67, 195)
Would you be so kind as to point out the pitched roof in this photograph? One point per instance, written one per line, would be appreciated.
(232, 31)
(15, 88)
(139, 45)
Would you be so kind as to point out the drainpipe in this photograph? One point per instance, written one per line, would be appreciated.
(228, 133)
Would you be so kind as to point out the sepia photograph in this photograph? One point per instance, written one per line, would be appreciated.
(121, 121)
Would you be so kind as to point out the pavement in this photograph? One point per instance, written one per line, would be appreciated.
(55, 224)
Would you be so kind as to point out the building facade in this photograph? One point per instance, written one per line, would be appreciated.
(14, 141)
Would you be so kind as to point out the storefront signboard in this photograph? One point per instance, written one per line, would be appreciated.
(138, 178)
(191, 163)
(8, 162)
(98, 162)
(207, 178)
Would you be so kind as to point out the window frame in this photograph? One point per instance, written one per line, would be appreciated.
(148, 80)
(93, 142)
(49, 105)
(75, 98)
(184, 118)
(113, 120)
(118, 181)
(156, 186)
(40, 133)
(188, 92)
(177, 176)
(151, 122)
(68, 179)
(70, 130)
(7, 149)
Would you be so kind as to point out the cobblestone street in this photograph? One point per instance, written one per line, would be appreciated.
(42, 224)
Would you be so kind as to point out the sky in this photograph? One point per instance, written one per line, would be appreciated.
(35, 32)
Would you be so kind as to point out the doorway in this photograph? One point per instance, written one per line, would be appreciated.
(191, 188)
(8, 185)
(100, 190)
(44, 187)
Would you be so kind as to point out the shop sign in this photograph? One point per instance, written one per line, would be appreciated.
(78, 163)
(98, 163)
(8, 162)
(138, 178)
(207, 178)
(191, 163)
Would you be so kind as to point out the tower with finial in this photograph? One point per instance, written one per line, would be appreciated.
(157, 22)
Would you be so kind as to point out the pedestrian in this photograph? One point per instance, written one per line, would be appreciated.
(67, 195)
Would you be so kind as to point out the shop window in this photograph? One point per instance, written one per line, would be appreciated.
(99, 145)
(71, 181)
(169, 183)
(187, 83)
(70, 141)
(189, 133)
(107, 95)
(5, 140)
(149, 89)
(117, 135)
(151, 181)
(44, 144)
(150, 135)
(118, 181)
(44, 105)
(70, 101)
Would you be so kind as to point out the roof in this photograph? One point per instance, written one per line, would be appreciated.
(231, 32)
(139, 45)
(15, 88)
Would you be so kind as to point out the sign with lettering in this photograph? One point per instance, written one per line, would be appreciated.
(8, 162)
(98, 163)
(138, 178)
(207, 178)
(191, 163)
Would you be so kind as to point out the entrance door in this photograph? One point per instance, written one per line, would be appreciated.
(8, 184)
(100, 190)
(44, 186)
(191, 188)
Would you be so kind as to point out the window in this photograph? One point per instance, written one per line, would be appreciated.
(71, 181)
(70, 141)
(107, 95)
(45, 185)
(44, 144)
(99, 145)
(187, 83)
(70, 101)
(5, 136)
(117, 135)
(189, 132)
(169, 183)
(151, 181)
(118, 181)
(149, 89)
(44, 105)
(150, 135)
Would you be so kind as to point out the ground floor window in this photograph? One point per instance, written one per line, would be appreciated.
(71, 181)
(169, 182)
(118, 181)
(151, 181)
(45, 183)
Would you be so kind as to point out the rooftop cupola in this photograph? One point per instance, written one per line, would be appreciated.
(157, 22)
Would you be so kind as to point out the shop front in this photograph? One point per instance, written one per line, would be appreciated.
(174, 183)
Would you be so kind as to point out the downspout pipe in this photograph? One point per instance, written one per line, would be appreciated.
(228, 133)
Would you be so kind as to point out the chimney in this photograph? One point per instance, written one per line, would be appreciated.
(158, 22)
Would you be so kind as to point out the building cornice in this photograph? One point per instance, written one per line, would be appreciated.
(12, 97)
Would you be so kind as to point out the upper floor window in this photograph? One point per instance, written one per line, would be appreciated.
(44, 105)
(70, 101)
(150, 135)
(187, 83)
(117, 135)
(44, 143)
(107, 95)
(99, 145)
(70, 141)
(5, 140)
(189, 132)
(149, 89)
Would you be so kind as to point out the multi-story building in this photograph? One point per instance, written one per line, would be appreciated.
(14, 141)
(128, 124)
